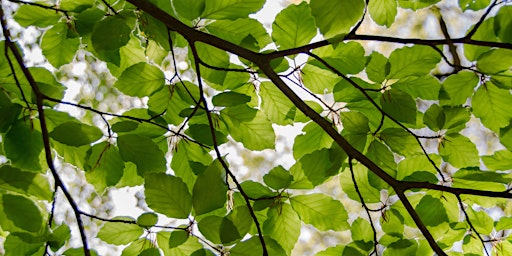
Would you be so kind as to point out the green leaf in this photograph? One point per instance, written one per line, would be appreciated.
(147, 219)
(277, 107)
(23, 212)
(189, 9)
(456, 118)
(9, 113)
(76, 5)
(401, 247)
(344, 91)
(202, 133)
(256, 190)
(503, 223)
(104, 166)
(321, 211)
(15, 246)
(377, 67)
(185, 249)
(401, 141)
(322, 164)
(210, 191)
(213, 57)
(500, 161)
(431, 211)
(383, 12)
(190, 160)
(412, 165)
(167, 195)
(355, 128)
(382, 156)
(459, 151)
(120, 233)
(347, 58)
(423, 87)
(252, 247)
(28, 183)
(278, 178)
(415, 5)
(362, 233)
(177, 238)
(245, 32)
(318, 79)
(473, 4)
(241, 218)
(434, 117)
(23, 145)
(312, 139)
(484, 176)
(219, 230)
(294, 26)
(249, 126)
(490, 104)
(57, 47)
(457, 88)
(283, 225)
(143, 152)
(370, 193)
(399, 105)
(392, 224)
(417, 60)
(110, 34)
(28, 15)
(231, 9)
(140, 80)
(335, 18)
(503, 24)
(482, 222)
(495, 61)
(76, 134)
(137, 246)
(506, 136)
(228, 99)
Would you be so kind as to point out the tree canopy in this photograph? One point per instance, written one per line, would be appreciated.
(414, 131)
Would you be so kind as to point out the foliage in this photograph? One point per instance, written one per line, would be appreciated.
(393, 128)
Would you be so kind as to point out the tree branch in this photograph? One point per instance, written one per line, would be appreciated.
(44, 130)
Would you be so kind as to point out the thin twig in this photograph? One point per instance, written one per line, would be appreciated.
(370, 99)
(468, 220)
(219, 155)
(44, 131)
(367, 210)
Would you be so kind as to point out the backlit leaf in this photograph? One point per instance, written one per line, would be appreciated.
(210, 191)
(412, 61)
(399, 105)
(23, 212)
(283, 225)
(140, 80)
(120, 233)
(459, 151)
(167, 195)
(57, 47)
(490, 104)
(249, 126)
(143, 152)
(23, 145)
(294, 26)
(335, 18)
(76, 134)
(383, 12)
(321, 211)
(230, 9)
